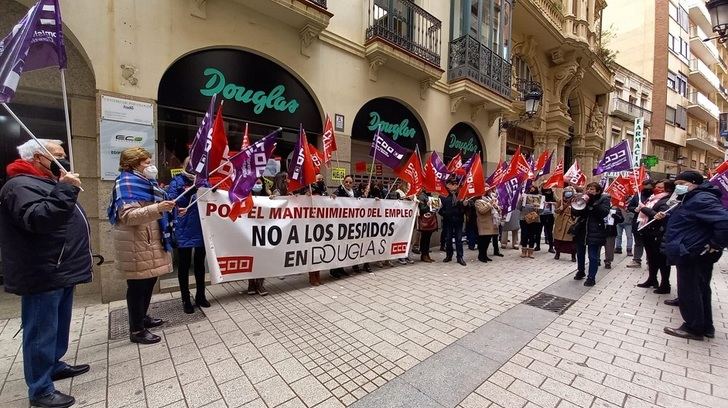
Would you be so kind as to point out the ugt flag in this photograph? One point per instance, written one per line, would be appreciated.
(387, 151)
(36, 42)
(616, 158)
(201, 145)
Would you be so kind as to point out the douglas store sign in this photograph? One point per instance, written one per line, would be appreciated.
(393, 118)
(462, 138)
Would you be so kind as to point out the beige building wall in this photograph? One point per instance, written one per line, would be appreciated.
(633, 25)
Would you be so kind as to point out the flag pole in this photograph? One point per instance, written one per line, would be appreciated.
(68, 121)
(208, 191)
(374, 157)
(25, 128)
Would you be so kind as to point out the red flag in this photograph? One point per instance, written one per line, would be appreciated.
(241, 207)
(412, 173)
(432, 180)
(575, 176)
(316, 156)
(301, 170)
(474, 185)
(519, 167)
(246, 138)
(219, 147)
(557, 177)
(621, 190)
(541, 162)
(329, 140)
(455, 164)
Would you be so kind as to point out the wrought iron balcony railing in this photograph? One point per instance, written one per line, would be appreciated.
(320, 3)
(407, 26)
(471, 59)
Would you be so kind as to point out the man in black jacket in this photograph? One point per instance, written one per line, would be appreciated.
(696, 233)
(591, 232)
(633, 205)
(44, 236)
(453, 217)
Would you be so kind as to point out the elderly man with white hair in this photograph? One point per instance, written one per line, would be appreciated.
(44, 236)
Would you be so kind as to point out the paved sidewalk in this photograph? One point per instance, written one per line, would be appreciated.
(352, 341)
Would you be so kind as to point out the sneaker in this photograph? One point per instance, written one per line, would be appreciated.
(607, 265)
(416, 251)
(409, 260)
(401, 261)
(635, 265)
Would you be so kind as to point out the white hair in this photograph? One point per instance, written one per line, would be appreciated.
(28, 149)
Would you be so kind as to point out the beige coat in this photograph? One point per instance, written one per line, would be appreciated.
(563, 221)
(138, 242)
(485, 209)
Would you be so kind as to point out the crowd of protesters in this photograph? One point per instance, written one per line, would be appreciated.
(680, 223)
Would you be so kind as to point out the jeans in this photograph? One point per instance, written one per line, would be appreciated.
(594, 251)
(624, 229)
(693, 290)
(183, 270)
(138, 296)
(453, 230)
(46, 321)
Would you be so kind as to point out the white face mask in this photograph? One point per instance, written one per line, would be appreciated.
(151, 172)
(681, 189)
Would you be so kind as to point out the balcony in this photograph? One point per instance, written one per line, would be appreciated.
(705, 50)
(701, 107)
(628, 111)
(405, 38)
(309, 17)
(469, 59)
(698, 136)
(703, 77)
(699, 14)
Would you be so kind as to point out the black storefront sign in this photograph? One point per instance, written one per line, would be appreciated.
(462, 138)
(395, 121)
(254, 89)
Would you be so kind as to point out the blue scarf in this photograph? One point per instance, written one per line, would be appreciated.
(131, 187)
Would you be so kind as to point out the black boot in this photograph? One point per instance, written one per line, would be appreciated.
(573, 257)
(187, 305)
(557, 256)
(551, 249)
(201, 300)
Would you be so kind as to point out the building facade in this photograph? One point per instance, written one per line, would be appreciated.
(631, 99)
(663, 42)
(433, 75)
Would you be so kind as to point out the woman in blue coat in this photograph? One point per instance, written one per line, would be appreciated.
(188, 232)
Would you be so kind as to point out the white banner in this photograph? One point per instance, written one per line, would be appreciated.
(296, 234)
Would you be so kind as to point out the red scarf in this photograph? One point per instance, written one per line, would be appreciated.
(20, 166)
(643, 219)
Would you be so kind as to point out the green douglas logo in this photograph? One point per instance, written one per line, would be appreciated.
(467, 147)
(396, 130)
(260, 99)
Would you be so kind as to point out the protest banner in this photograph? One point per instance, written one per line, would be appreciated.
(297, 234)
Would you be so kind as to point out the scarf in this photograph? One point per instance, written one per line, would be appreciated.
(643, 219)
(20, 166)
(131, 187)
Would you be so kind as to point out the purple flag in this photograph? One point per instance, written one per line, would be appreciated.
(387, 151)
(200, 147)
(468, 164)
(250, 164)
(720, 180)
(36, 42)
(616, 158)
(441, 171)
(509, 192)
(497, 173)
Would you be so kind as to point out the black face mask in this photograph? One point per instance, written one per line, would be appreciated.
(57, 170)
(321, 185)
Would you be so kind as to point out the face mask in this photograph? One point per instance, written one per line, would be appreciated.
(568, 194)
(321, 185)
(681, 189)
(151, 172)
(257, 188)
(57, 170)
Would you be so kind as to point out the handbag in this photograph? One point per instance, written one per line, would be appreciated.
(427, 222)
(532, 217)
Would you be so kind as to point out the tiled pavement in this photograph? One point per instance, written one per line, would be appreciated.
(358, 338)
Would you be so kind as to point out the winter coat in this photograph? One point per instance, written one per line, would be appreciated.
(656, 229)
(564, 221)
(188, 231)
(590, 227)
(138, 242)
(44, 236)
(485, 209)
(452, 209)
(701, 219)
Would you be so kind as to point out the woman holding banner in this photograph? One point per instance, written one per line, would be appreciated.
(260, 189)
(346, 189)
(142, 232)
(563, 238)
(188, 233)
(651, 235)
